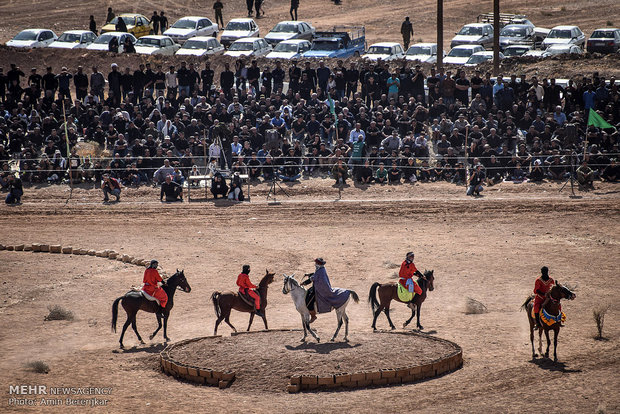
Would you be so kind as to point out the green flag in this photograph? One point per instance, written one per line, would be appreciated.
(596, 120)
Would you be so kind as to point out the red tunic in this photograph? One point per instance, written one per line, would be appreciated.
(150, 280)
(245, 286)
(407, 271)
(540, 289)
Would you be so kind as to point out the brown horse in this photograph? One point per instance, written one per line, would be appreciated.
(227, 301)
(389, 292)
(552, 308)
(134, 301)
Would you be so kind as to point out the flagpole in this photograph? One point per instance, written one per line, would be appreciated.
(64, 114)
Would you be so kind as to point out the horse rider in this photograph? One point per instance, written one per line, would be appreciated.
(246, 287)
(325, 296)
(152, 283)
(542, 287)
(406, 274)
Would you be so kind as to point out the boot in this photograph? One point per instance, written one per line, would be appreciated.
(160, 312)
(312, 316)
(537, 321)
(258, 313)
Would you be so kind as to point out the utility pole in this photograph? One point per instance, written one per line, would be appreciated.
(495, 37)
(439, 36)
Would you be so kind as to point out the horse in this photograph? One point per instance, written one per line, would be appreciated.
(298, 293)
(552, 308)
(389, 292)
(134, 301)
(223, 303)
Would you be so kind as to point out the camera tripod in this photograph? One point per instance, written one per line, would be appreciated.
(274, 190)
(571, 177)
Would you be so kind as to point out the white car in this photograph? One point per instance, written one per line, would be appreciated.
(481, 57)
(517, 50)
(459, 54)
(539, 54)
(290, 30)
(249, 46)
(200, 46)
(385, 51)
(474, 34)
(564, 35)
(238, 29)
(290, 49)
(33, 38)
(191, 26)
(74, 39)
(423, 52)
(156, 45)
(562, 50)
(102, 42)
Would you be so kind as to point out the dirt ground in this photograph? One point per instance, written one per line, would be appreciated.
(489, 249)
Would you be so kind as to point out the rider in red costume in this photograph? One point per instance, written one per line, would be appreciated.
(152, 285)
(542, 286)
(246, 287)
(406, 274)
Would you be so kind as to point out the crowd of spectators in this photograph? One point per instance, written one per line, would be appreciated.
(369, 122)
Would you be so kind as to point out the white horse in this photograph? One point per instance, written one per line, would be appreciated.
(298, 293)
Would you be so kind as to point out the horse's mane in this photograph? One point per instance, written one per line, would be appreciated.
(263, 281)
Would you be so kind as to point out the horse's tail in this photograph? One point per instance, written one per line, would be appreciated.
(372, 296)
(215, 297)
(355, 296)
(115, 312)
(527, 301)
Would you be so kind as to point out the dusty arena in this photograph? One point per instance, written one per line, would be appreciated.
(487, 249)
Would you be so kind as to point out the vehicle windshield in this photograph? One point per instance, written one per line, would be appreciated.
(600, 34)
(26, 35)
(184, 24)
(460, 52)
(286, 47)
(325, 45)
(104, 38)
(241, 46)
(419, 50)
(515, 51)
(559, 34)
(148, 42)
(471, 31)
(127, 20)
(237, 26)
(70, 38)
(195, 44)
(513, 32)
(379, 50)
(285, 28)
(478, 58)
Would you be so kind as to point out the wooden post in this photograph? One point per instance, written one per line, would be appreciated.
(439, 36)
(495, 37)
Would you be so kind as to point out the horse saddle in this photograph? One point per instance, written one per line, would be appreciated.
(249, 300)
(404, 295)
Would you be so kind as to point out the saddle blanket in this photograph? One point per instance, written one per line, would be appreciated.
(149, 297)
(403, 294)
(549, 319)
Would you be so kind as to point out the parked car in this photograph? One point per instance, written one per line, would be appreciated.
(137, 24)
(238, 29)
(516, 34)
(423, 52)
(481, 57)
(605, 40)
(290, 49)
(33, 38)
(249, 46)
(459, 54)
(340, 42)
(564, 35)
(290, 30)
(102, 42)
(74, 39)
(562, 50)
(200, 46)
(517, 50)
(385, 51)
(535, 54)
(191, 26)
(156, 45)
(474, 34)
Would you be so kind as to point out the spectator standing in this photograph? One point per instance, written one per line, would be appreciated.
(114, 85)
(293, 11)
(120, 25)
(406, 29)
(163, 22)
(92, 24)
(110, 15)
(393, 84)
(64, 78)
(80, 80)
(217, 7)
(155, 22)
(97, 83)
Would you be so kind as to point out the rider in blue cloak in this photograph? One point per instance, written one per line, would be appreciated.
(325, 296)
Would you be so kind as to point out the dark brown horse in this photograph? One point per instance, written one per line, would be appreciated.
(389, 292)
(133, 302)
(225, 302)
(552, 308)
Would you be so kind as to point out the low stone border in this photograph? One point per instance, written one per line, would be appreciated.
(192, 373)
(58, 249)
(381, 377)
